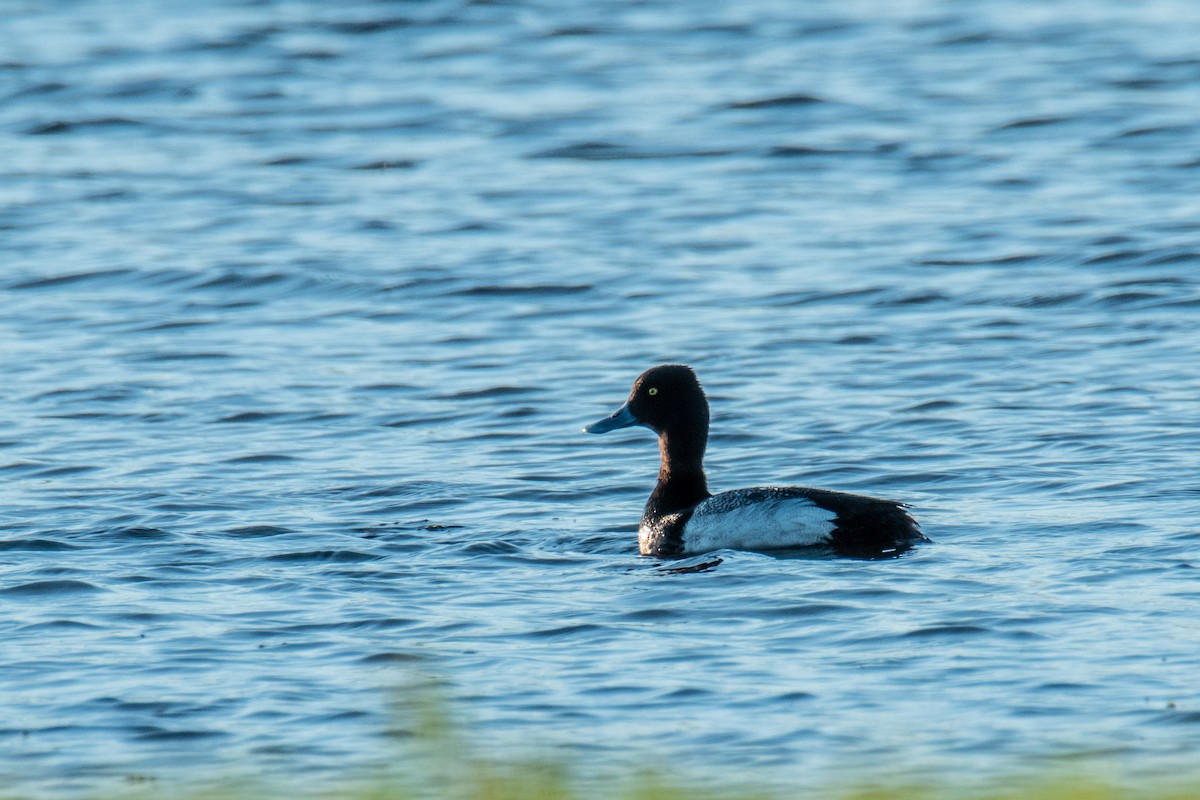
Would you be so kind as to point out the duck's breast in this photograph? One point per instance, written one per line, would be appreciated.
(765, 518)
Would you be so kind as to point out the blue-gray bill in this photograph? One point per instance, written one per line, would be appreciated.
(621, 418)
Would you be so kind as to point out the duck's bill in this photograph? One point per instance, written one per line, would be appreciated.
(621, 418)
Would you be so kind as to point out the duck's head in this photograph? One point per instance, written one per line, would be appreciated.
(664, 398)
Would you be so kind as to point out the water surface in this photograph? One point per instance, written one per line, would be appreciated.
(305, 305)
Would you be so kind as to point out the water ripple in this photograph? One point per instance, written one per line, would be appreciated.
(297, 352)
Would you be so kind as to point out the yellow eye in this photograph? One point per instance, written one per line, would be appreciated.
(652, 391)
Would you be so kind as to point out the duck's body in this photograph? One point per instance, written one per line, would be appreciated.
(682, 517)
(780, 518)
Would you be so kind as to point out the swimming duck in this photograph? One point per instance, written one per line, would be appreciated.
(682, 517)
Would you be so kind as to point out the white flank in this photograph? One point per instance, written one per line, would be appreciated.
(742, 521)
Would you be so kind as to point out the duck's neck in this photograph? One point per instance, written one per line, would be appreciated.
(681, 482)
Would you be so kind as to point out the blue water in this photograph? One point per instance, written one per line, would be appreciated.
(305, 304)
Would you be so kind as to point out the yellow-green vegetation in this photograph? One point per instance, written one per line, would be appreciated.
(1044, 790)
(479, 781)
(434, 761)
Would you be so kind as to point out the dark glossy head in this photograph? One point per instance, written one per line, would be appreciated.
(664, 398)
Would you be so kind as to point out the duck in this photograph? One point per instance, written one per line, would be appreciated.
(682, 518)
